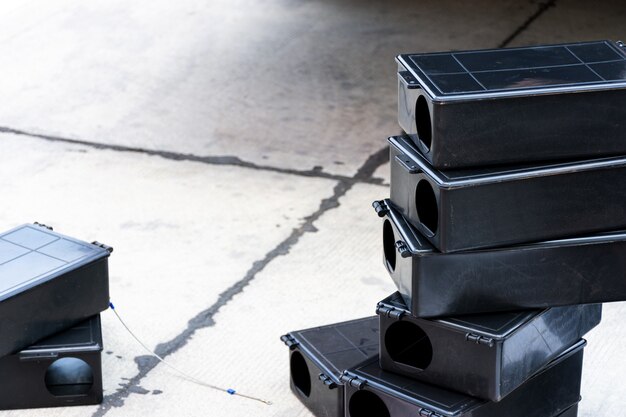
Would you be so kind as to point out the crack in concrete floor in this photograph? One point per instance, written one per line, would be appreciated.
(229, 160)
(204, 319)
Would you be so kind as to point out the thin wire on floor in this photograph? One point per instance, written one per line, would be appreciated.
(181, 373)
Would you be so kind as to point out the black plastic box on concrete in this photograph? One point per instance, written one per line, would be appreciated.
(516, 105)
(471, 209)
(319, 355)
(62, 370)
(539, 275)
(485, 356)
(48, 283)
(370, 391)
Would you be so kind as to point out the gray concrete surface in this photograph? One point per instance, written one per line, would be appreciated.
(229, 151)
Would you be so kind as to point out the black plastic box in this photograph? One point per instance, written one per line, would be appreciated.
(516, 105)
(62, 370)
(462, 210)
(539, 275)
(486, 356)
(570, 412)
(318, 357)
(370, 391)
(48, 283)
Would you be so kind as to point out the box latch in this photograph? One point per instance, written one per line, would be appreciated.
(408, 79)
(103, 246)
(407, 163)
(352, 380)
(326, 380)
(424, 412)
(381, 208)
(43, 225)
(479, 340)
(389, 311)
(403, 249)
(289, 341)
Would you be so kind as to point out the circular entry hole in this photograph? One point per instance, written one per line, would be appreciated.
(69, 376)
(426, 204)
(422, 122)
(300, 373)
(389, 246)
(367, 404)
(408, 344)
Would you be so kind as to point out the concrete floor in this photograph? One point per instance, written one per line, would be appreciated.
(229, 151)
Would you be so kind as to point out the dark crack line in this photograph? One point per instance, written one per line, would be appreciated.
(543, 7)
(204, 319)
(210, 160)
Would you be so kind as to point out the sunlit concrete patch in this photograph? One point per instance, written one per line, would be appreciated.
(182, 232)
(332, 275)
(576, 20)
(302, 85)
(603, 389)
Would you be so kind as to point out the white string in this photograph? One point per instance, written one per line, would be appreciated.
(182, 374)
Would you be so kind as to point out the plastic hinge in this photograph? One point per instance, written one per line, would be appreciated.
(289, 341)
(327, 381)
(381, 208)
(407, 163)
(43, 225)
(388, 311)
(427, 413)
(403, 249)
(103, 246)
(409, 79)
(621, 44)
(479, 340)
(352, 380)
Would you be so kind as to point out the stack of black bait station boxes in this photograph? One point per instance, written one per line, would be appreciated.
(52, 289)
(504, 232)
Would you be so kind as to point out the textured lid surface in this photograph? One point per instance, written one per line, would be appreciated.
(32, 254)
(493, 325)
(337, 347)
(581, 66)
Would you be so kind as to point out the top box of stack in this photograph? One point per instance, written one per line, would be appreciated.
(503, 106)
(48, 283)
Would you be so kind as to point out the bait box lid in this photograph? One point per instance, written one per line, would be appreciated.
(545, 69)
(31, 255)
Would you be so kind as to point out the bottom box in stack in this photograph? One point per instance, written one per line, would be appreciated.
(61, 370)
(318, 356)
(372, 392)
(331, 378)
